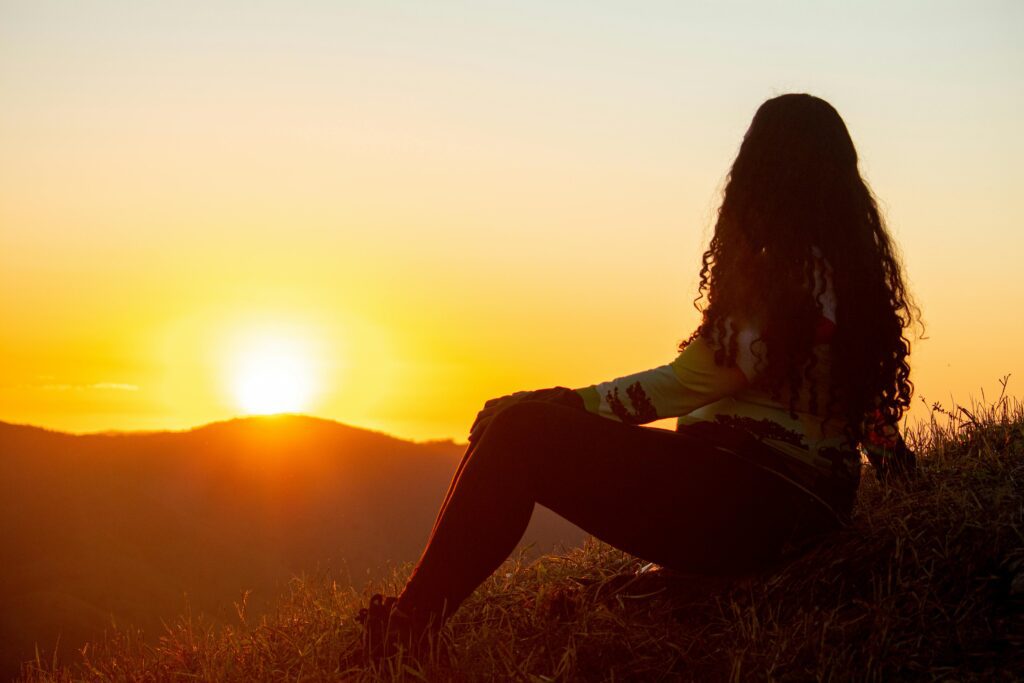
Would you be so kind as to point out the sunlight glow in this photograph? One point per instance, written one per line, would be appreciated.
(273, 376)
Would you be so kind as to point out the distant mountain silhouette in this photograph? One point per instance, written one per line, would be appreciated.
(125, 525)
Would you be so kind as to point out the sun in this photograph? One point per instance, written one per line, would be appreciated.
(272, 375)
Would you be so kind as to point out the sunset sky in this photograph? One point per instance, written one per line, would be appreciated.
(415, 206)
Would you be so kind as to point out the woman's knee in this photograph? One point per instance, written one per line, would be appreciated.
(524, 420)
(518, 436)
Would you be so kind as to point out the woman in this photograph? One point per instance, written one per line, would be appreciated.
(799, 359)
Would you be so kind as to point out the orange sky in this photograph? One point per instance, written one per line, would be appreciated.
(433, 207)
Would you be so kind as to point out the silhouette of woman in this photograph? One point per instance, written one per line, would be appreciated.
(800, 359)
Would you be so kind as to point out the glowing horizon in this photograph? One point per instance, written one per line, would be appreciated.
(445, 205)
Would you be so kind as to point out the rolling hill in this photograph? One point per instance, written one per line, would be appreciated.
(130, 528)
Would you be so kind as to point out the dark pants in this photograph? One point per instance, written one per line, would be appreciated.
(674, 498)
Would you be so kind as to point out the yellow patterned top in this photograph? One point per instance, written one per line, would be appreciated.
(803, 447)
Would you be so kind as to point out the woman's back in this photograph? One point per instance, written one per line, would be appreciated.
(801, 249)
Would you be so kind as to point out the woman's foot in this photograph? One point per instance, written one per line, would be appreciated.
(388, 630)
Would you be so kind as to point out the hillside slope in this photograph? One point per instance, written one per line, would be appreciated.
(927, 583)
(130, 527)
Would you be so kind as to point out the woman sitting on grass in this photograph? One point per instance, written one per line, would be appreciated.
(799, 360)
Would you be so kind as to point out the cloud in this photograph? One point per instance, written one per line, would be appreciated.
(116, 386)
(96, 386)
(56, 387)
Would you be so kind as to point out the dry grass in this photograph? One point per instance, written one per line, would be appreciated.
(927, 583)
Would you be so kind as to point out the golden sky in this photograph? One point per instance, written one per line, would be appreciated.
(423, 205)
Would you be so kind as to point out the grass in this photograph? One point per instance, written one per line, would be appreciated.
(926, 583)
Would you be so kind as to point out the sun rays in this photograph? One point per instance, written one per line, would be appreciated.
(273, 374)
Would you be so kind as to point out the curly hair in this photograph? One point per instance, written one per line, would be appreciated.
(794, 194)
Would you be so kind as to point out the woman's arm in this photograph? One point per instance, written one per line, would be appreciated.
(687, 383)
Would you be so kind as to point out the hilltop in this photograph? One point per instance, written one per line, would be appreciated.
(927, 582)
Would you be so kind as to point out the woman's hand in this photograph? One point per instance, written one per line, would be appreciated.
(491, 408)
(887, 451)
(494, 406)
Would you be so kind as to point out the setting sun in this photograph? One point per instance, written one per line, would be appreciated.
(273, 376)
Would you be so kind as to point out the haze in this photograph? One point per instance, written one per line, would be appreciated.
(443, 202)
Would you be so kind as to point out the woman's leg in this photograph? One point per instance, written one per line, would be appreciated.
(455, 480)
(668, 497)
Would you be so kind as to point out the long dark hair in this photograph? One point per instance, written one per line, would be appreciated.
(795, 194)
